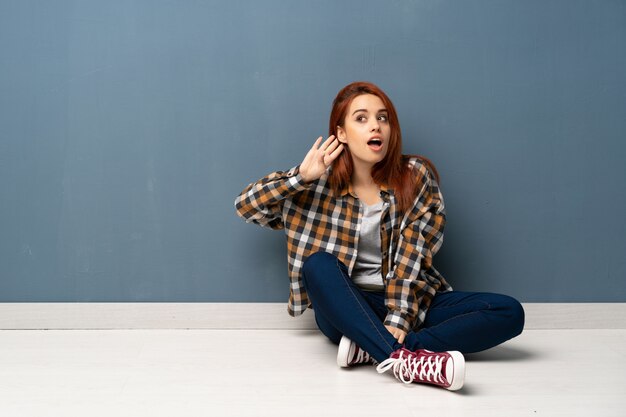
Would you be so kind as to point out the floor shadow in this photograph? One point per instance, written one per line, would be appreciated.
(467, 390)
(501, 353)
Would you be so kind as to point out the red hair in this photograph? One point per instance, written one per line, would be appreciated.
(394, 169)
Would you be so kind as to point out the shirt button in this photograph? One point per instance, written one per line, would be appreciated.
(384, 253)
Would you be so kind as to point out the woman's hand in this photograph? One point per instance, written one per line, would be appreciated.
(319, 158)
(397, 333)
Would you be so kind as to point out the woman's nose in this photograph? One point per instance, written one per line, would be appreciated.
(375, 126)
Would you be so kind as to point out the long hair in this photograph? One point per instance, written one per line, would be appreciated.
(394, 168)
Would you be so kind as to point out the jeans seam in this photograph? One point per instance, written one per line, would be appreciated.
(460, 315)
(488, 305)
(361, 306)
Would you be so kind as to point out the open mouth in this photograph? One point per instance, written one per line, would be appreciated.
(375, 144)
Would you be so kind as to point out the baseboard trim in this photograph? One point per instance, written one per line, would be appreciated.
(67, 316)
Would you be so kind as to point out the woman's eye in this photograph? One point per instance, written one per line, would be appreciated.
(360, 118)
(382, 117)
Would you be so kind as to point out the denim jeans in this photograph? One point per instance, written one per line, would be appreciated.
(463, 321)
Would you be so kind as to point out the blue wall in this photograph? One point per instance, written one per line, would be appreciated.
(127, 128)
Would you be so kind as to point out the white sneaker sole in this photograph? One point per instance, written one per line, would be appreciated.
(458, 371)
(343, 353)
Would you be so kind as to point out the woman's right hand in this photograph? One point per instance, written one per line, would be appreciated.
(319, 158)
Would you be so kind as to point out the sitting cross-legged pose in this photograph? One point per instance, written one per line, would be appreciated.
(363, 222)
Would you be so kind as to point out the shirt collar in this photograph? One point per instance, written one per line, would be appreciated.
(384, 188)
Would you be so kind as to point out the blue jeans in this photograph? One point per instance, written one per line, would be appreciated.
(463, 321)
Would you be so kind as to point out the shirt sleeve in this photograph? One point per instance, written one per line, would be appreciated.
(408, 290)
(261, 202)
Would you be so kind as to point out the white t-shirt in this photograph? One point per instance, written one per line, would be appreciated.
(367, 271)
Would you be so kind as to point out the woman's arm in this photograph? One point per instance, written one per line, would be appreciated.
(420, 239)
(261, 202)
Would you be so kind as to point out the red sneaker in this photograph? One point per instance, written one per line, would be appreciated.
(444, 369)
(350, 354)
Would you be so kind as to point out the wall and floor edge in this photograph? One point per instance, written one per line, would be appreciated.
(102, 316)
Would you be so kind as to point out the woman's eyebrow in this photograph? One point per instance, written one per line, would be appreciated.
(365, 110)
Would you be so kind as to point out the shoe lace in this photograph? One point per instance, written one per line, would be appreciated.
(412, 367)
(361, 357)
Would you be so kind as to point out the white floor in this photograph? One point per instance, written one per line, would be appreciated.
(293, 372)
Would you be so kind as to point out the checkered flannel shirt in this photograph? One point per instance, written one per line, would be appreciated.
(315, 220)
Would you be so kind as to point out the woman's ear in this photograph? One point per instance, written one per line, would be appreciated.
(341, 135)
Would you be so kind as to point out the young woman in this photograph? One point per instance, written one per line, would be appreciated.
(363, 223)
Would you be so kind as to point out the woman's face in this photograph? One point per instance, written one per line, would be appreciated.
(366, 130)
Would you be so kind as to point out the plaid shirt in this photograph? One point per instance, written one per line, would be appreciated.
(315, 220)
